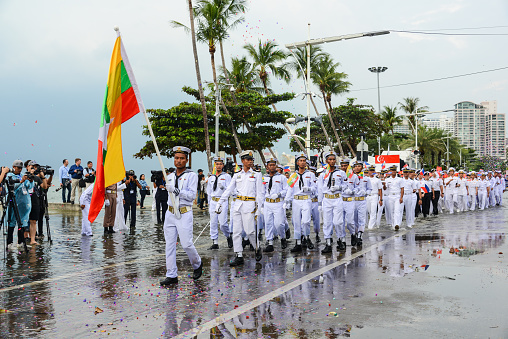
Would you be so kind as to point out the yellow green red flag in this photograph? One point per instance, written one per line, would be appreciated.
(121, 102)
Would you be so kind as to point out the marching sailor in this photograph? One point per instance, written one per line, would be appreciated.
(362, 189)
(179, 222)
(394, 197)
(217, 183)
(248, 204)
(375, 198)
(316, 220)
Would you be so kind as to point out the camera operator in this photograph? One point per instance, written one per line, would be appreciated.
(65, 181)
(130, 196)
(20, 185)
(76, 173)
(161, 196)
(89, 174)
(39, 182)
(44, 201)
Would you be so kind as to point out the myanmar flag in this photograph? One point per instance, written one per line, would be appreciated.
(292, 180)
(121, 102)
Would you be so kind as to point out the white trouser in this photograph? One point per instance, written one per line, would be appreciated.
(315, 216)
(450, 202)
(499, 194)
(301, 217)
(274, 219)
(410, 209)
(482, 199)
(372, 205)
(414, 201)
(119, 217)
(231, 216)
(393, 208)
(218, 219)
(461, 202)
(332, 217)
(86, 227)
(349, 218)
(472, 201)
(380, 210)
(173, 229)
(153, 202)
(360, 215)
(243, 219)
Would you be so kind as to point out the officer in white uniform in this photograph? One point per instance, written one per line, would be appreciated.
(182, 187)
(375, 198)
(275, 189)
(84, 200)
(462, 192)
(472, 188)
(217, 184)
(409, 193)
(348, 202)
(316, 220)
(361, 190)
(437, 191)
(329, 186)
(394, 197)
(492, 194)
(483, 191)
(451, 194)
(300, 197)
(248, 204)
(502, 186)
(382, 208)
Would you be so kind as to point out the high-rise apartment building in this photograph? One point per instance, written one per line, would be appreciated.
(480, 127)
(444, 122)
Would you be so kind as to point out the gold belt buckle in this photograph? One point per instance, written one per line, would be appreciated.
(215, 198)
(314, 200)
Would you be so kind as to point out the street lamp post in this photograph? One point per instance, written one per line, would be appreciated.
(378, 70)
(307, 44)
(217, 111)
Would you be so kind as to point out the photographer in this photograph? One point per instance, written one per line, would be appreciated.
(65, 181)
(39, 182)
(145, 190)
(76, 173)
(20, 185)
(89, 174)
(161, 196)
(130, 196)
(44, 201)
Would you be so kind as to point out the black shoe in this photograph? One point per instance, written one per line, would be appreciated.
(359, 241)
(198, 272)
(283, 243)
(288, 234)
(260, 236)
(327, 249)
(267, 243)
(396, 227)
(214, 247)
(237, 262)
(353, 240)
(230, 241)
(318, 239)
(245, 242)
(297, 248)
(276, 237)
(268, 249)
(310, 245)
(169, 281)
(304, 242)
(111, 230)
(341, 246)
(251, 247)
(106, 230)
(72, 202)
(259, 254)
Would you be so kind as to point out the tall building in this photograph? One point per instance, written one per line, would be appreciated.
(444, 122)
(403, 127)
(480, 127)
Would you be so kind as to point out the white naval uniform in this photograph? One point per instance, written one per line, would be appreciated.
(461, 189)
(331, 206)
(482, 193)
(187, 183)
(392, 199)
(498, 190)
(414, 198)
(492, 196)
(216, 220)
(450, 193)
(471, 186)
(362, 189)
(348, 202)
(275, 188)
(407, 204)
(373, 202)
(380, 209)
(248, 185)
(502, 187)
(119, 216)
(86, 199)
(305, 186)
(316, 220)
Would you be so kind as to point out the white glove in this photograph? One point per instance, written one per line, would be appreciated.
(306, 189)
(170, 188)
(335, 189)
(348, 191)
(221, 186)
(218, 210)
(258, 212)
(275, 196)
(362, 192)
(355, 191)
(106, 202)
(287, 205)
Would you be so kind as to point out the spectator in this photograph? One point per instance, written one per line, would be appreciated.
(203, 196)
(65, 181)
(43, 203)
(145, 190)
(89, 174)
(23, 203)
(76, 173)
(161, 198)
(130, 197)
(39, 182)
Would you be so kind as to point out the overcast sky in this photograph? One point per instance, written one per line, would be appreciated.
(55, 57)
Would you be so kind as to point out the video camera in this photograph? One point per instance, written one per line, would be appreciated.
(156, 175)
(229, 166)
(130, 173)
(47, 170)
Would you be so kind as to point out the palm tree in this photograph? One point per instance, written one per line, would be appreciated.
(410, 106)
(390, 118)
(300, 59)
(430, 143)
(329, 81)
(242, 76)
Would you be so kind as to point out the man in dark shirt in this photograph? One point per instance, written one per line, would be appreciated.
(130, 196)
(76, 173)
(161, 199)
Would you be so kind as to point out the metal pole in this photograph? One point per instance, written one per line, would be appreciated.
(447, 153)
(307, 140)
(217, 115)
(416, 135)
(378, 112)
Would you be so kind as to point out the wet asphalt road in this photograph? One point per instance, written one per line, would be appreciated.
(384, 289)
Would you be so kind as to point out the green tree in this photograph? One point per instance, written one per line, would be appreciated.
(390, 118)
(242, 77)
(410, 106)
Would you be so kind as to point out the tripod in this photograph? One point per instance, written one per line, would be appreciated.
(12, 206)
(46, 214)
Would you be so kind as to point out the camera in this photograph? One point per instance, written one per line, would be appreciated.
(229, 166)
(47, 170)
(129, 174)
(156, 175)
